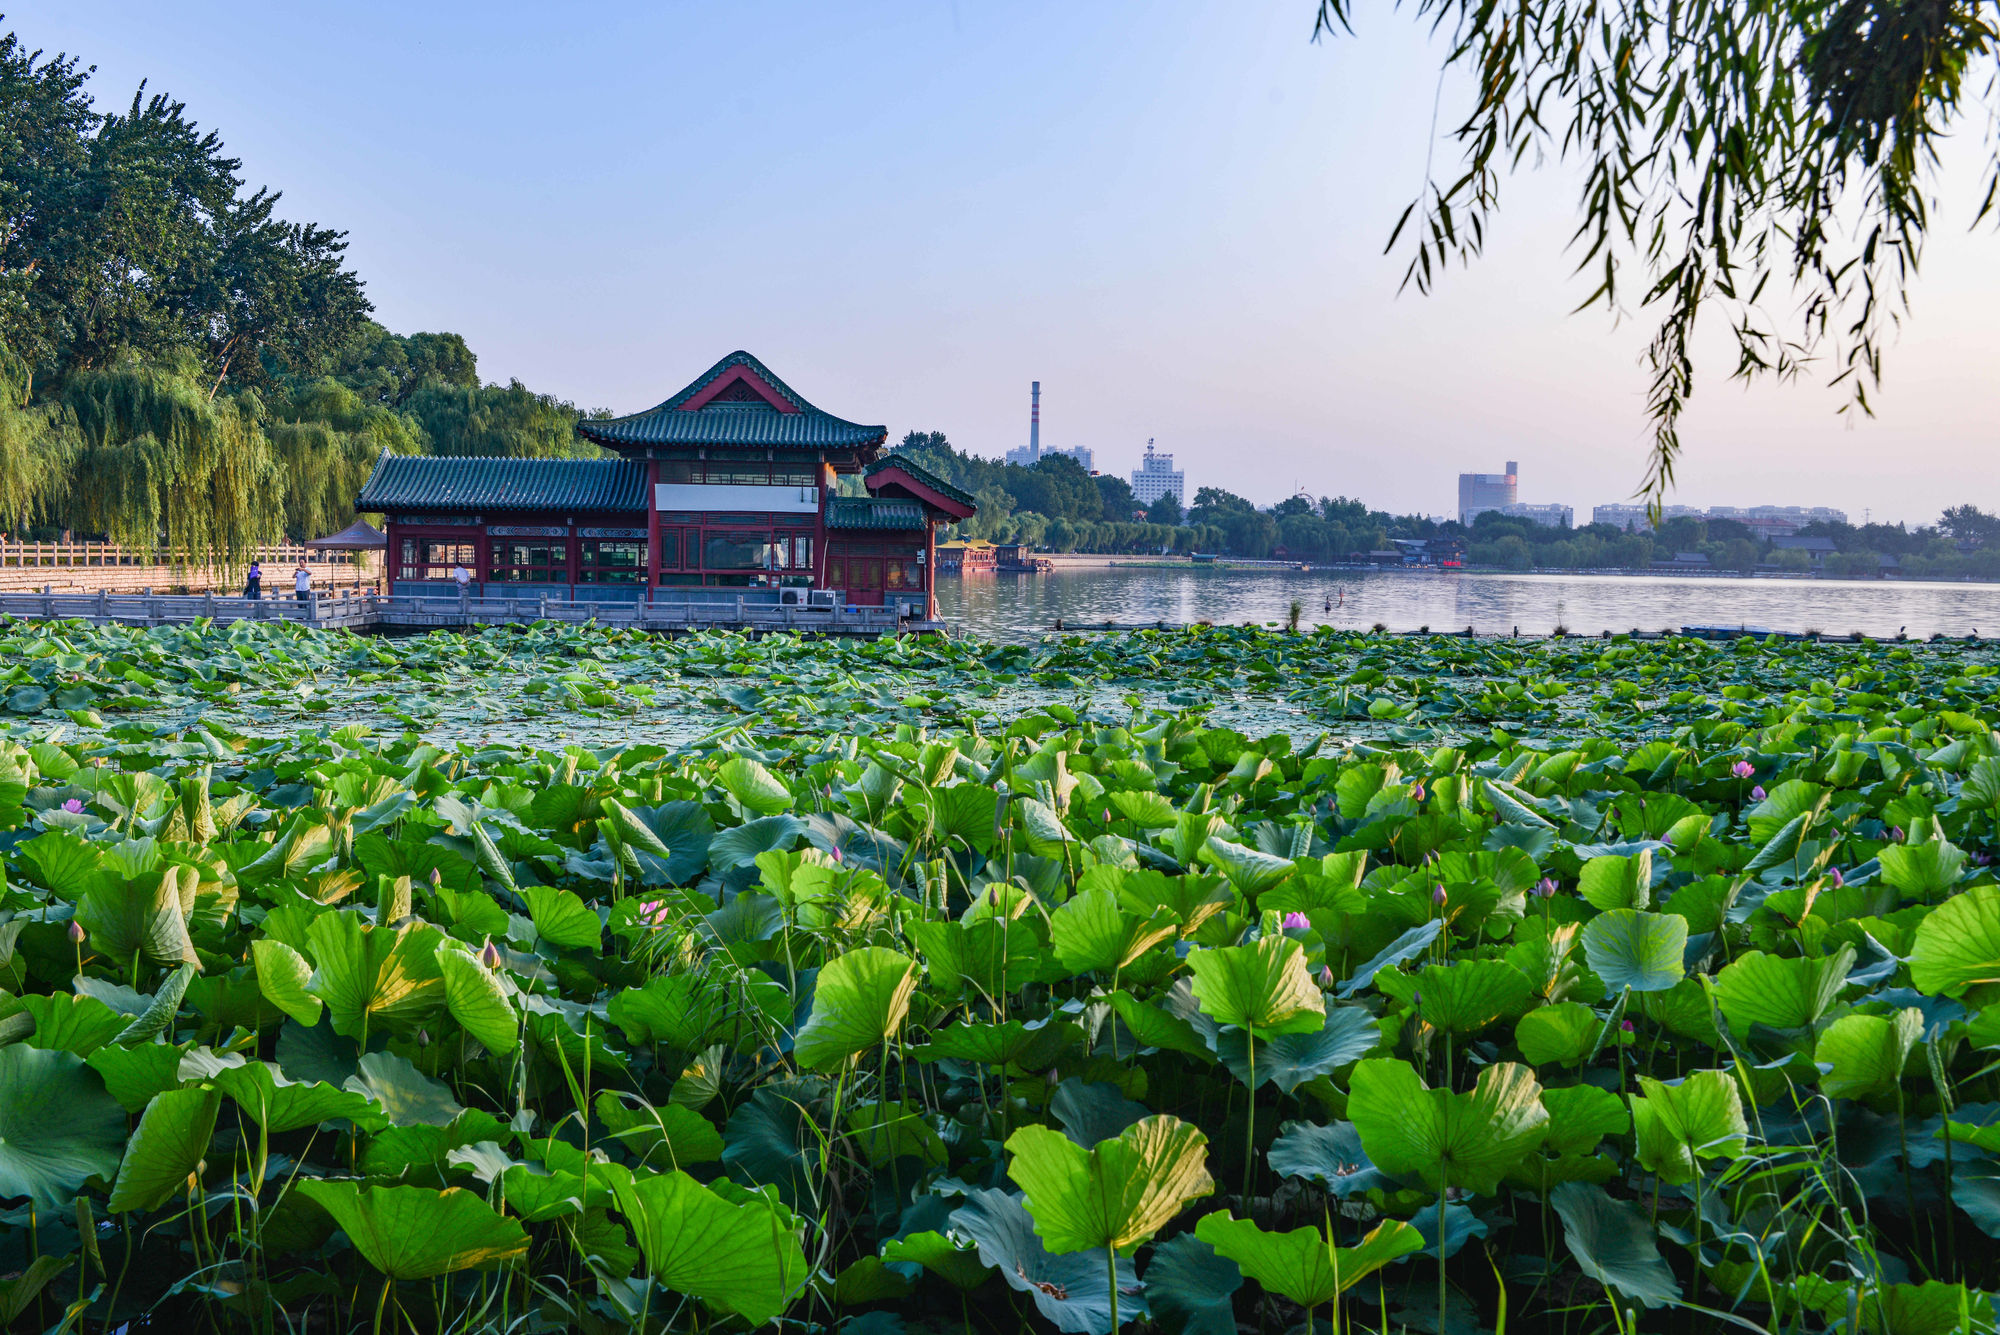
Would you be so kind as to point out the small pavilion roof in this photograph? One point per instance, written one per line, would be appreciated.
(736, 402)
(441, 482)
(918, 474)
(359, 536)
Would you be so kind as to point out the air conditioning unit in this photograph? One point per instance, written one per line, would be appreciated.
(824, 598)
(793, 597)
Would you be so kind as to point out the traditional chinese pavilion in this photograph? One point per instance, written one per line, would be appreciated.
(726, 490)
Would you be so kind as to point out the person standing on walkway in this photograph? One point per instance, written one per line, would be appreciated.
(302, 582)
(463, 578)
(253, 581)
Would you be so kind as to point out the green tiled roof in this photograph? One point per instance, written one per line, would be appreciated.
(874, 512)
(435, 482)
(923, 475)
(734, 422)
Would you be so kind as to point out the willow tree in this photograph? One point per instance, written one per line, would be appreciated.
(320, 472)
(161, 465)
(38, 445)
(1736, 153)
(325, 440)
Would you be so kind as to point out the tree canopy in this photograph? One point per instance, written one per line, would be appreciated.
(1734, 155)
(181, 367)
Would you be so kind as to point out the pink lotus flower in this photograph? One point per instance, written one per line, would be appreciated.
(1627, 1026)
(1326, 978)
(1838, 879)
(1667, 838)
(1417, 792)
(834, 853)
(75, 932)
(1742, 769)
(1895, 834)
(1757, 793)
(490, 956)
(437, 877)
(1546, 888)
(653, 912)
(1297, 922)
(74, 807)
(1438, 895)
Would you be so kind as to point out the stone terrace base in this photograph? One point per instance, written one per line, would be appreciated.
(369, 611)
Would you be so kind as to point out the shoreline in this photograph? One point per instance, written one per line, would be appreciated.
(1102, 561)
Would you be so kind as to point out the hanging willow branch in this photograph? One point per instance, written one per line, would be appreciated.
(1726, 143)
(162, 467)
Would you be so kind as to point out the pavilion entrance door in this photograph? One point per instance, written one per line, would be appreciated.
(864, 581)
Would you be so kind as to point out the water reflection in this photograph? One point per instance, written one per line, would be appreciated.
(1017, 606)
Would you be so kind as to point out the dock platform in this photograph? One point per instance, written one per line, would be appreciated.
(362, 611)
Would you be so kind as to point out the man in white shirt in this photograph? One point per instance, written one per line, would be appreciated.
(462, 577)
(302, 582)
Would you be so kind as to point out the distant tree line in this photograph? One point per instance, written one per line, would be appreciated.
(1964, 543)
(181, 367)
(1055, 505)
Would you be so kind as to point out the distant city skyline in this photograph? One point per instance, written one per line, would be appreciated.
(1172, 214)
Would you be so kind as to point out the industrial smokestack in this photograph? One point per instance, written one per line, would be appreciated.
(1035, 421)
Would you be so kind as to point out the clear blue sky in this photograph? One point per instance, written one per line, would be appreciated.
(1171, 213)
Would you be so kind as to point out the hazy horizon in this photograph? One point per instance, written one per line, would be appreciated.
(1171, 215)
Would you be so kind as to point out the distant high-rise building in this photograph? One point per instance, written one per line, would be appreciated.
(1548, 516)
(1765, 521)
(1156, 477)
(1083, 454)
(1480, 492)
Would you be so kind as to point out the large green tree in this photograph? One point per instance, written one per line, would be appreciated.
(1737, 155)
(129, 235)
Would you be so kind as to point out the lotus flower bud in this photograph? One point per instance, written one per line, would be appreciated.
(1895, 834)
(834, 853)
(437, 877)
(74, 806)
(1742, 769)
(1438, 895)
(1546, 888)
(76, 933)
(1757, 793)
(423, 1037)
(1838, 879)
(1297, 922)
(1667, 838)
(1416, 792)
(1326, 978)
(1627, 1026)
(490, 956)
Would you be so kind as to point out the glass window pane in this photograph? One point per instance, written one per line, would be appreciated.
(736, 551)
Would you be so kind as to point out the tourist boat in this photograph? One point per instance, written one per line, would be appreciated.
(966, 558)
(1014, 558)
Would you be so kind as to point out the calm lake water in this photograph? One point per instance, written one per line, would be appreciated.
(1019, 606)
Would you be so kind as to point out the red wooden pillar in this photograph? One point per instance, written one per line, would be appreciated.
(652, 530)
(820, 531)
(930, 570)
